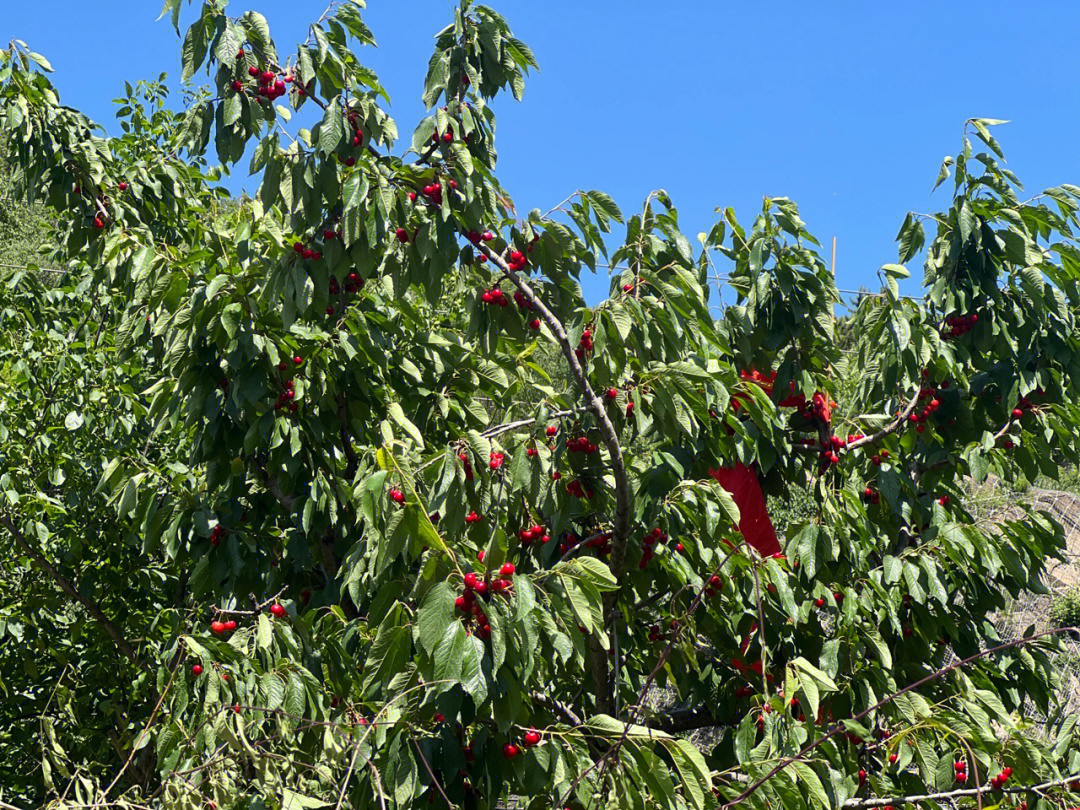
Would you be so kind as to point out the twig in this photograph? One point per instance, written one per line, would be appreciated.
(498, 430)
(431, 773)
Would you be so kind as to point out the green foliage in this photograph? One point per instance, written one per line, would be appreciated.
(1065, 609)
(307, 413)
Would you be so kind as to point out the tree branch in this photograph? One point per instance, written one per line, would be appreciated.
(65, 585)
(885, 431)
(621, 530)
(498, 430)
(878, 801)
(839, 727)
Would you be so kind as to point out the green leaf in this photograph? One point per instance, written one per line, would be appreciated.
(434, 616)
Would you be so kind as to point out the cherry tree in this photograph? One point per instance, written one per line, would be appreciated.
(389, 515)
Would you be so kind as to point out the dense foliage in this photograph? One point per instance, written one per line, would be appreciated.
(343, 494)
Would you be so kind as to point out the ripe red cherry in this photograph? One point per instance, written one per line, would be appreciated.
(531, 738)
(217, 627)
(253, 71)
(99, 223)
(397, 496)
(507, 569)
(277, 610)
(122, 186)
(510, 750)
(196, 669)
(402, 235)
(1017, 413)
(447, 137)
(230, 625)
(819, 602)
(892, 758)
(298, 360)
(267, 76)
(471, 580)
(612, 393)
(534, 324)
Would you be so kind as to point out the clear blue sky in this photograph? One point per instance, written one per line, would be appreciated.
(848, 107)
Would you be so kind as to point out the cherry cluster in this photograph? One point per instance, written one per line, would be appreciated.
(494, 297)
(473, 587)
(287, 398)
(958, 325)
(535, 532)
(353, 283)
(434, 193)
(219, 628)
(576, 490)
(518, 260)
(522, 301)
(305, 252)
(217, 533)
(473, 517)
(495, 460)
(581, 445)
(871, 495)
(270, 86)
(476, 237)
(819, 408)
(464, 458)
(585, 345)
(656, 536)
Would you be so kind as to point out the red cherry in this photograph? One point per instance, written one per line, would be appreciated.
(253, 71)
(402, 235)
(277, 610)
(461, 603)
(510, 750)
(217, 627)
(531, 738)
(892, 758)
(819, 602)
(196, 669)
(1017, 413)
(534, 324)
(507, 569)
(99, 223)
(298, 360)
(471, 580)
(230, 625)
(447, 137)
(612, 393)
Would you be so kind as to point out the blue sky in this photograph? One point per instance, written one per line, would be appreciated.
(846, 107)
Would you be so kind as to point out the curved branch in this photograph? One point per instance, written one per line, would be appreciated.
(885, 431)
(838, 728)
